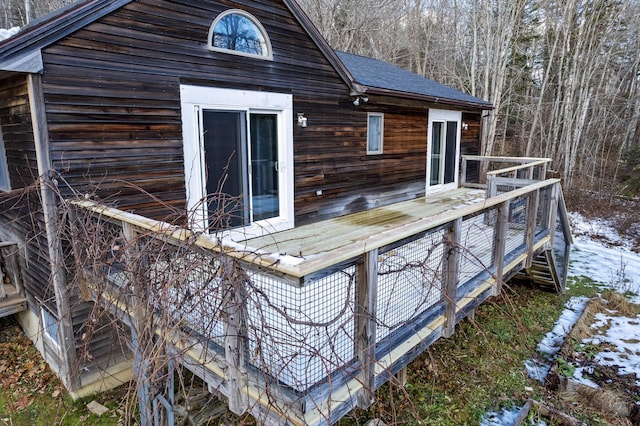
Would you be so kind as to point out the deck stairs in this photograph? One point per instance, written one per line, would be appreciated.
(543, 272)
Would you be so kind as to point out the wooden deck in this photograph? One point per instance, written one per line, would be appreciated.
(334, 309)
(352, 233)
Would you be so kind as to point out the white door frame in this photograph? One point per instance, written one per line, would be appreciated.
(442, 115)
(195, 98)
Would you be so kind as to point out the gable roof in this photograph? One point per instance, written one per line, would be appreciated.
(381, 77)
(22, 53)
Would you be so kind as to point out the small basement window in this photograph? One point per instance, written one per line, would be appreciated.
(5, 185)
(238, 32)
(50, 326)
(375, 131)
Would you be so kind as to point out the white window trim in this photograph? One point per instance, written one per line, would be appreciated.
(443, 115)
(54, 340)
(381, 149)
(4, 186)
(254, 20)
(193, 98)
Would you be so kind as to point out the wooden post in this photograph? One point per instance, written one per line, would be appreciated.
(367, 301)
(137, 323)
(499, 244)
(234, 338)
(463, 172)
(532, 211)
(492, 188)
(69, 370)
(553, 213)
(452, 265)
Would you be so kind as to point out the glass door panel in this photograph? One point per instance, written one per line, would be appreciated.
(264, 166)
(436, 152)
(225, 153)
(450, 152)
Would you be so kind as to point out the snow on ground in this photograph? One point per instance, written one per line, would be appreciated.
(6, 33)
(551, 344)
(600, 254)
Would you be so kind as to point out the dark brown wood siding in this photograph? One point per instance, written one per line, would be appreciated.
(17, 132)
(113, 101)
(335, 161)
(113, 106)
(21, 217)
(470, 142)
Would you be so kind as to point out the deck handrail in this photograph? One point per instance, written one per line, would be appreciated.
(299, 268)
(523, 163)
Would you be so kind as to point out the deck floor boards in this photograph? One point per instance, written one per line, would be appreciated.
(333, 234)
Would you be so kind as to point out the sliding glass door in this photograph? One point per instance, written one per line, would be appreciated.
(443, 149)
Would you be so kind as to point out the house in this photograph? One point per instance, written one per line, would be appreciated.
(337, 166)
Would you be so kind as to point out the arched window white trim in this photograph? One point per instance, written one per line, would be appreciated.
(240, 33)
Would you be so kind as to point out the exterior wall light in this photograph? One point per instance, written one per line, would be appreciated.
(357, 100)
(302, 120)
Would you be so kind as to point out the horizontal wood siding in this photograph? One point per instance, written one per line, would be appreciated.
(470, 142)
(335, 161)
(21, 217)
(21, 220)
(17, 133)
(113, 101)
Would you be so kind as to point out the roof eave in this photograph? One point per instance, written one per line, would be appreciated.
(427, 98)
(30, 62)
(28, 43)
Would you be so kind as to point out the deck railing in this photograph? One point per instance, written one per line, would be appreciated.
(12, 298)
(318, 344)
(501, 174)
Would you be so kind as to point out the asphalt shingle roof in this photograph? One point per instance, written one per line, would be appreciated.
(383, 75)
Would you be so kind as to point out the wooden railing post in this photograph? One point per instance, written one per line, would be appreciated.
(234, 337)
(499, 244)
(532, 212)
(367, 300)
(463, 172)
(553, 213)
(451, 274)
(138, 321)
(492, 187)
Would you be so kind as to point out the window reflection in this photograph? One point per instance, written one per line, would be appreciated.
(239, 33)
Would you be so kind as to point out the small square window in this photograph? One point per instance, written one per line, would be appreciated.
(50, 326)
(4, 170)
(375, 131)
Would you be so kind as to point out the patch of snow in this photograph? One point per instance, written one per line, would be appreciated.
(506, 416)
(607, 260)
(579, 376)
(6, 33)
(622, 342)
(551, 343)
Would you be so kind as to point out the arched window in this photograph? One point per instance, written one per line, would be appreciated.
(236, 31)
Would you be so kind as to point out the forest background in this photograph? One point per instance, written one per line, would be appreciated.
(562, 75)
